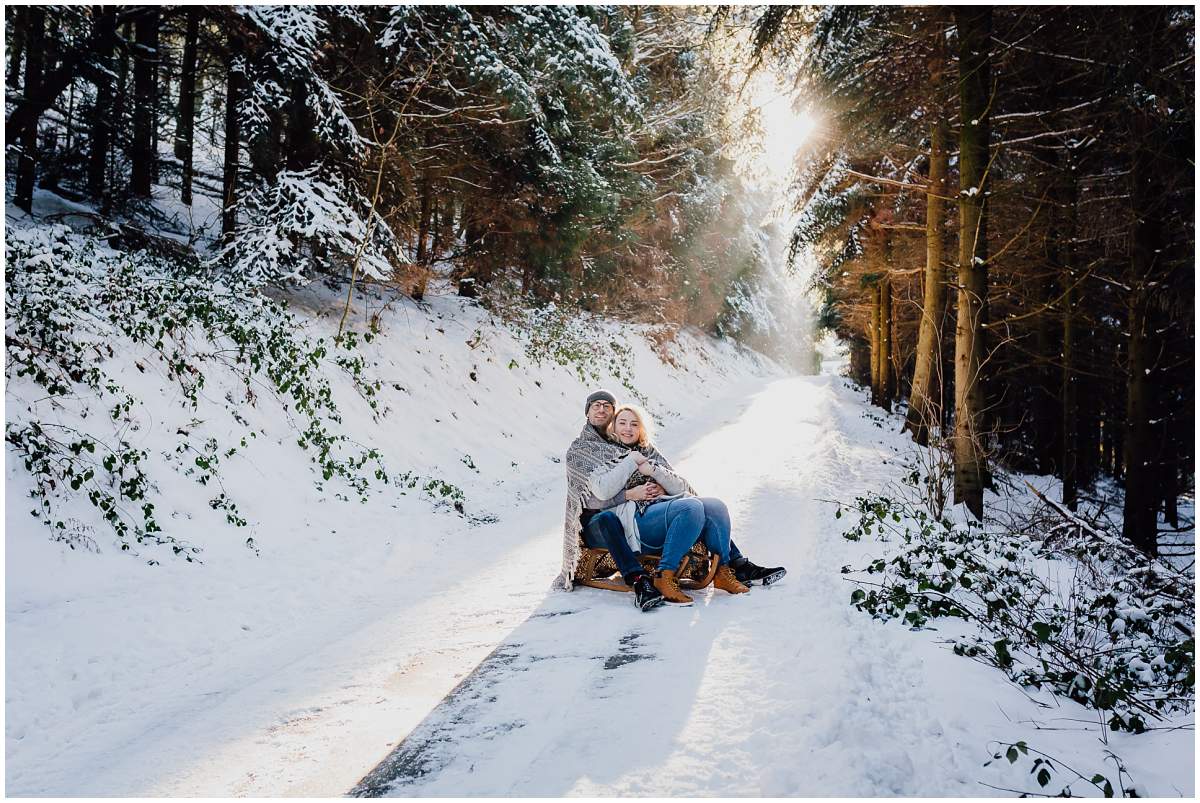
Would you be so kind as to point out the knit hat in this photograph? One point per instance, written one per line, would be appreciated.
(599, 395)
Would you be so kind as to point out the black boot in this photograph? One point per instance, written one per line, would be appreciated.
(749, 573)
(645, 595)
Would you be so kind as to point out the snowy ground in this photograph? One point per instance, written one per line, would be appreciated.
(786, 691)
(347, 655)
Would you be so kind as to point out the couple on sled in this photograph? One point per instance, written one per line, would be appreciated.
(623, 496)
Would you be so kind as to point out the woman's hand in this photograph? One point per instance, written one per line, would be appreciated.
(646, 468)
(644, 493)
(638, 493)
(639, 458)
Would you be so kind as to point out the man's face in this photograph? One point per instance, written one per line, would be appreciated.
(600, 413)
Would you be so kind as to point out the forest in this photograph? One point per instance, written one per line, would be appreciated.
(546, 152)
(301, 302)
(1004, 210)
(1024, 281)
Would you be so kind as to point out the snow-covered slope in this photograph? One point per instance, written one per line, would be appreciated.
(291, 667)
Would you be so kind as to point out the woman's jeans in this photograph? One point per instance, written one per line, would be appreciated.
(673, 526)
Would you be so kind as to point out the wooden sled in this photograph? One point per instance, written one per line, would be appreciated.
(596, 568)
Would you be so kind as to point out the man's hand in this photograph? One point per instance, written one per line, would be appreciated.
(646, 468)
(639, 458)
(653, 490)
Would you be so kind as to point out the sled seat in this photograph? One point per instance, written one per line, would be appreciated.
(597, 569)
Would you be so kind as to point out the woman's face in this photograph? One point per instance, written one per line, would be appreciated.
(627, 427)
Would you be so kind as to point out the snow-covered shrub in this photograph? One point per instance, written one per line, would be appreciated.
(78, 312)
(294, 40)
(557, 334)
(304, 220)
(1073, 608)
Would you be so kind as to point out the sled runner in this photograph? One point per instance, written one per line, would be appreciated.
(596, 568)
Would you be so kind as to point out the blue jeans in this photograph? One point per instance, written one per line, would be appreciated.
(673, 526)
(604, 531)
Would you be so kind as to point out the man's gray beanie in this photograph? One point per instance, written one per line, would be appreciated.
(599, 395)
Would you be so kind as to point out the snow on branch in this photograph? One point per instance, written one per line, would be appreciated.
(308, 216)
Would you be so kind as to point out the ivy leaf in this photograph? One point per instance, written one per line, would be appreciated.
(1005, 660)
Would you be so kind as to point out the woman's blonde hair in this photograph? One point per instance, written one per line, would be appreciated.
(647, 435)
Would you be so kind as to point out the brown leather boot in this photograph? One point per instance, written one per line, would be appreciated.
(665, 582)
(727, 581)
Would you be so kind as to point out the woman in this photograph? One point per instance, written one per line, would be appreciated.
(665, 515)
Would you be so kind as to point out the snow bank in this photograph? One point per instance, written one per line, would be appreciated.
(117, 670)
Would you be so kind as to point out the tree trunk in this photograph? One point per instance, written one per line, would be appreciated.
(35, 42)
(1088, 402)
(16, 43)
(860, 360)
(102, 127)
(925, 401)
(1141, 520)
(145, 113)
(185, 129)
(1147, 242)
(229, 194)
(1069, 379)
(1044, 403)
(302, 148)
(876, 345)
(435, 228)
(1070, 405)
(1169, 484)
(423, 223)
(887, 374)
(970, 460)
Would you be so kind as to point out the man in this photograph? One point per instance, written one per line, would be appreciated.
(602, 529)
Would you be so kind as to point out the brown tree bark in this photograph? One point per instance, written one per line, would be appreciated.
(974, 90)
(860, 360)
(887, 373)
(925, 401)
(424, 220)
(876, 345)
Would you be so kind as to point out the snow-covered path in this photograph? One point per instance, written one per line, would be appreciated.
(785, 691)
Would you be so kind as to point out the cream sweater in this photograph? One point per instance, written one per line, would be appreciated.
(608, 482)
